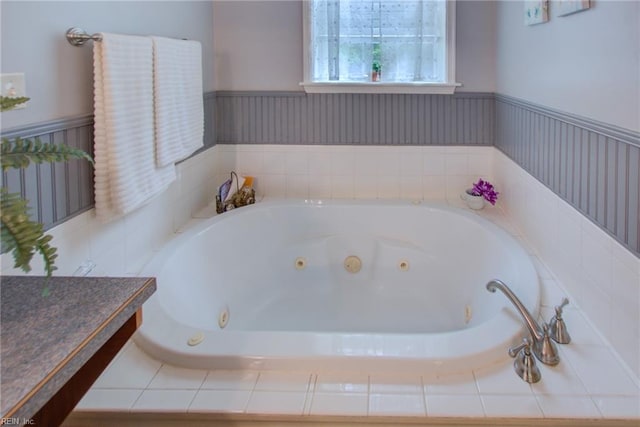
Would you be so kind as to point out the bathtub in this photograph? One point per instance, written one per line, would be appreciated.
(337, 285)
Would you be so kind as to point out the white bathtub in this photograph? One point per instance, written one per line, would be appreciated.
(277, 270)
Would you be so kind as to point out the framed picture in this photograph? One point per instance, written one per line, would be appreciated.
(536, 11)
(567, 7)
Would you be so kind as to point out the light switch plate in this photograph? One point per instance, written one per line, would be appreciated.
(13, 86)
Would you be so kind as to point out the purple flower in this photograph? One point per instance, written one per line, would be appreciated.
(486, 190)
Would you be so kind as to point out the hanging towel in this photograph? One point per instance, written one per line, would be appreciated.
(126, 175)
(179, 107)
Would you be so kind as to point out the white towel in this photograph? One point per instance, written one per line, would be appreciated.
(178, 98)
(126, 175)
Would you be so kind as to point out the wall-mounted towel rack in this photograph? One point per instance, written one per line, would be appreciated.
(78, 37)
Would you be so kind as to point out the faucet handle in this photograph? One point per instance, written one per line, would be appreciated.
(565, 301)
(557, 327)
(513, 351)
(525, 364)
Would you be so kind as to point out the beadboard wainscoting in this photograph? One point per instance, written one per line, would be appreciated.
(60, 191)
(56, 191)
(359, 119)
(592, 166)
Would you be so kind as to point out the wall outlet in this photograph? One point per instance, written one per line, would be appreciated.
(13, 86)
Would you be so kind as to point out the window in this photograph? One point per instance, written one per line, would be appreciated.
(388, 46)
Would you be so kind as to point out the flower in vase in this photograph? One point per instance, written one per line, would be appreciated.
(486, 190)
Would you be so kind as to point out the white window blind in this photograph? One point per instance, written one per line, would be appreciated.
(383, 41)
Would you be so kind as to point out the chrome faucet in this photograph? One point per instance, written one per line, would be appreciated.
(543, 348)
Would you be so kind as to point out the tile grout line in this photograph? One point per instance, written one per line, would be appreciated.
(253, 389)
(143, 391)
(475, 383)
(197, 392)
(544, 415)
(424, 396)
(368, 395)
(310, 393)
(187, 410)
(130, 409)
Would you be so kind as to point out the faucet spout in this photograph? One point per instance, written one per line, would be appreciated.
(534, 329)
(543, 348)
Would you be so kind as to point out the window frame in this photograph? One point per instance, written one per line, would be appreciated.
(448, 87)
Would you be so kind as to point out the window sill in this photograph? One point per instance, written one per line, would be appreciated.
(371, 87)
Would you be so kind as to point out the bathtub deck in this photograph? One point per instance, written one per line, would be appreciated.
(590, 386)
(135, 385)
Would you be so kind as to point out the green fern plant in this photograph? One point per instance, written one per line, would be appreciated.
(20, 235)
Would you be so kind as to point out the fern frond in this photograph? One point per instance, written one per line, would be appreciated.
(9, 103)
(22, 236)
(48, 253)
(19, 153)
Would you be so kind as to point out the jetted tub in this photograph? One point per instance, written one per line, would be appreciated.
(337, 285)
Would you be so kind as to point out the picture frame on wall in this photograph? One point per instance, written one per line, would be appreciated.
(536, 12)
(569, 7)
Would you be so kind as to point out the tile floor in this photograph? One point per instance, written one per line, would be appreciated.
(590, 382)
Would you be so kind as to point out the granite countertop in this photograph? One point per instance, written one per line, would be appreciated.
(46, 340)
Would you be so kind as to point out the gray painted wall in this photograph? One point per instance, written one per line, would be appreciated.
(59, 80)
(59, 77)
(258, 45)
(568, 109)
(587, 63)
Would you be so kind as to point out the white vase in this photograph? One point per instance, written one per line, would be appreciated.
(473, 201)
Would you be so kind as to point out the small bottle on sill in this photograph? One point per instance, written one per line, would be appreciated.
(376, 71)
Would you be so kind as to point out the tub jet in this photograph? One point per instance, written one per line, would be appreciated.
(352, 264)
(195, 339)
(223, 317)
(468, 314)
(300, 263)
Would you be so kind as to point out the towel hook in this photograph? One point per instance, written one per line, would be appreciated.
(78, 37)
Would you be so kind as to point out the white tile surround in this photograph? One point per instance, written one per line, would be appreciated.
(573, 258)
(366, 172)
